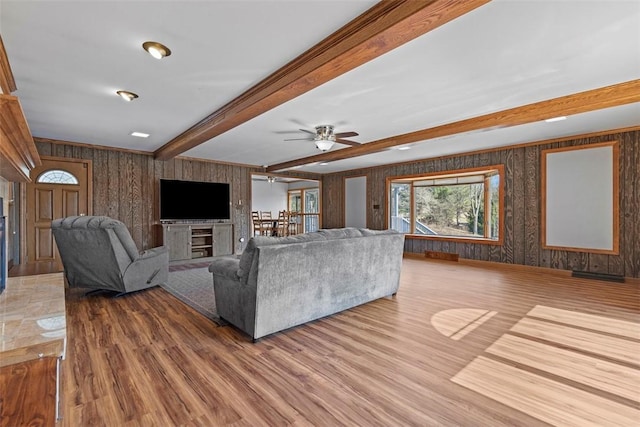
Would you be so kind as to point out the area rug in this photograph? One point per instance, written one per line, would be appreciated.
(194, 287)
(189, 266)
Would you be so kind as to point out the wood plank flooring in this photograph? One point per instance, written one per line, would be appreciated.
(147, 359)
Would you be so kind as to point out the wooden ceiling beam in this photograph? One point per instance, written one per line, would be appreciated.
(18, 153)
(384, 27)
(7, 83)
(582, 102)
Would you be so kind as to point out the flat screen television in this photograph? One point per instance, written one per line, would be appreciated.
(194, 200)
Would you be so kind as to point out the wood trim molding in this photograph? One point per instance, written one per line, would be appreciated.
(582, 102)
(615, 192)
(18, 154)
(382, 28)
(7, 83)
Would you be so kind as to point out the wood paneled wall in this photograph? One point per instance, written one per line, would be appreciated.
(522, 207)
(126, 184)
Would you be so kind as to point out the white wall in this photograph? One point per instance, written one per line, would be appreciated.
(294, 185)
(269, 196)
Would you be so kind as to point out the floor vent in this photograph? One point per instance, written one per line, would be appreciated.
(441, 255)
(598, 276)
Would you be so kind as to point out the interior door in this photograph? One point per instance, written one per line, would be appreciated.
(355, 202)
(58, 188)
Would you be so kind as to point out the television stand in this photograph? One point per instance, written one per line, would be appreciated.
(197, 240)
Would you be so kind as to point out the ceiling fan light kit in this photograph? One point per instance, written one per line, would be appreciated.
(324, 137)
(324, 144)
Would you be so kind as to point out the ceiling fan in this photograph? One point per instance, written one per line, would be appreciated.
(325, 138)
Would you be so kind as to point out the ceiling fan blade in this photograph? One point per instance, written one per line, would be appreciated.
(345, 134)
(299, 139)
(308, 131)
(347, 142)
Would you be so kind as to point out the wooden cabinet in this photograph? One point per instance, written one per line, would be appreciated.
(33, 337)
(197, 240)
(30, 393)
(178, 239)
(223, 239)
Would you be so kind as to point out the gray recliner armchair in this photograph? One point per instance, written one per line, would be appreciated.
(98, 252)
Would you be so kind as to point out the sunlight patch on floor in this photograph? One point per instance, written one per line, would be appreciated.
(458, 322)
(563, 367)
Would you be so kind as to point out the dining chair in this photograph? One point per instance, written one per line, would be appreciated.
(292, 228)
(282, 226)
(258, 225)
(265, 215)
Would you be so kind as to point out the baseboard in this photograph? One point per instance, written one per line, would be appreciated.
(447, 256)
(531, 268)
(598, 276)
(412, 255)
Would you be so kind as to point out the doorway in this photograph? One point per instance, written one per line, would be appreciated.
(300, 197)
(58, 188)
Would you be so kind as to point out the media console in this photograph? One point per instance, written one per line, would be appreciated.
(197, 240)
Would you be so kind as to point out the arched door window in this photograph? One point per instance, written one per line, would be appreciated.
(57, 176)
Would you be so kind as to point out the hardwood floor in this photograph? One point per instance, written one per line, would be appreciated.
(34, 268)
(460, 344)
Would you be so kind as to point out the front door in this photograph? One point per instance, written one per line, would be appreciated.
(58, 188)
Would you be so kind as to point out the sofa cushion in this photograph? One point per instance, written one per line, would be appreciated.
(297, 238)
(340, 233)
(246, 259)
(368, 232)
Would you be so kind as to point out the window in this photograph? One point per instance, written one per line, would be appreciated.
(306, 202)
(463, 204)
(57, 176)
(295, 201)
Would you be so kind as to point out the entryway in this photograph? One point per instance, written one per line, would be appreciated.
(58, 188)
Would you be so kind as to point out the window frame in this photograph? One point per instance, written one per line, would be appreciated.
(306, 216)
(450, 174)
(48, 171)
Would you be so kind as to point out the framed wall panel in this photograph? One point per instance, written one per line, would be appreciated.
(580, 192)
(355, 204)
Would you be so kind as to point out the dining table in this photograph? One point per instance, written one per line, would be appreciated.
(269, 224)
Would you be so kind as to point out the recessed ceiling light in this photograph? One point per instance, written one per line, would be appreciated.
(155, 49)
(140, 134)
(126, 95)
(323, 163)
(556, 119)
(404, 148)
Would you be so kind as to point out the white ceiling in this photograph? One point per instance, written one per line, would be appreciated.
(69, 58)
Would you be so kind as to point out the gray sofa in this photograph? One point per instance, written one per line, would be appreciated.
(282, 282)
(98, 252)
